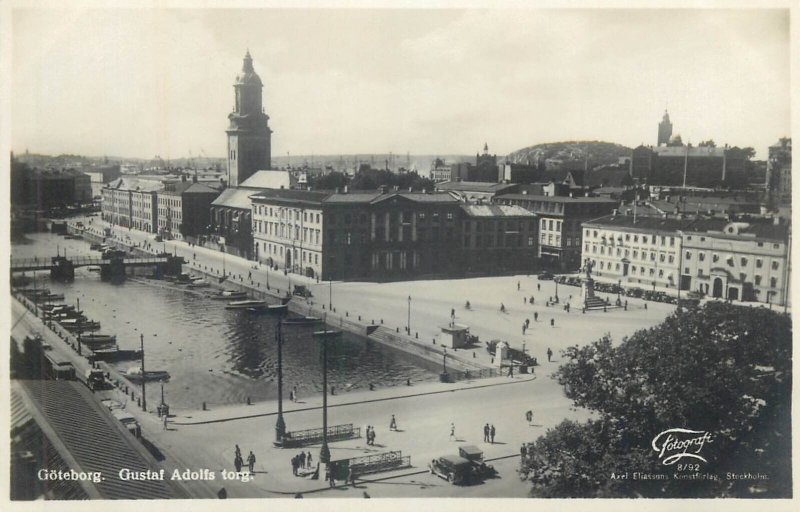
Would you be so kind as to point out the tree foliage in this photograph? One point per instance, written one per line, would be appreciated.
(722, 369)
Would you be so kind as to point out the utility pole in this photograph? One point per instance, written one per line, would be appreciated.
(324, 452)
(280, 425)
(144, 399)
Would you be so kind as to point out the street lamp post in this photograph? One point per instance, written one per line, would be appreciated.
(330, 294)
(409, 316)
(324, 452)
(144, 399)
(554, 279)
(280, 424)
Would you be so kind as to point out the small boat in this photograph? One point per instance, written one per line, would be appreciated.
(99, 339)
(49, 297)
(271, 309)
(115, 354)
(199, 283)
(303, 320)
(246, 304)
(327, 334)
(96, 247)
(228, 295)
(93, 268)
(73, 325)
(56, 308)
(134, 374)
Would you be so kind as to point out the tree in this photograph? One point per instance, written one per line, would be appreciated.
(330, 181)
(721, 369)
(707, 143)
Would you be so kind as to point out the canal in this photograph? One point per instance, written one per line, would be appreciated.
(215, 355)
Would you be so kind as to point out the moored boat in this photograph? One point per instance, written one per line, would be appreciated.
(134, 374)
(90, 339)
(228, 295)
(303, 320)
(246, 304)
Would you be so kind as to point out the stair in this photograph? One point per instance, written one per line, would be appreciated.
(595, 303)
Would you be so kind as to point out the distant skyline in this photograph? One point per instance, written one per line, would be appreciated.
(146, 82)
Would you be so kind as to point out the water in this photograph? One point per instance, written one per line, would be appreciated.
(216, 355)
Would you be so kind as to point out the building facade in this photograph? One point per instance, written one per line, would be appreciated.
(737, 260)
(559, 223)
(497, 239)
(664, 130)
(132, 204)
(249, 134)
(635, 251)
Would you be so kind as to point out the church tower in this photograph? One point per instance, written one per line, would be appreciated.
(664, 130)
(249, 135)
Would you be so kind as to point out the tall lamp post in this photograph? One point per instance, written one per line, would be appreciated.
(144, 396)
(409, 316)
(324, 451)
(554, 279)
(280, 424)
(330, 294)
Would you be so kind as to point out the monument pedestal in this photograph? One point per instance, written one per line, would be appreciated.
(590, 301)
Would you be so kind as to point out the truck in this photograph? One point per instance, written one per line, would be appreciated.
(475, 455)
(95, 379)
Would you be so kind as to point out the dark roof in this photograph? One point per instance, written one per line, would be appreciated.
(750, 228)
(474, 186)
(73, 420)
(377, 197)
(199, 188)
(560, 199)
(290, 196)
(639, 223)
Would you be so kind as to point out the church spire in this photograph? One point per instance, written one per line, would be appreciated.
(247, 65)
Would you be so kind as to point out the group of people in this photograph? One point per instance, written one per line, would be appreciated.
(238, 462)
(488, 433)
(370, 435)
(301, 461)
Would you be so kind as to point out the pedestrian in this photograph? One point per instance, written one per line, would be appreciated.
(511, 371)
(527, 322)
(294, 465)
(393, 424)
(452, 312)
(237, 463)
(372, 431)
(523, 328)
(502, 308)
(523, 452)
(538, 287)
(532, 301)
(535, 316)
(645, 306)
(524, 300)
(238, 451)
(166, 420)
(452, 431)
(302, 459)
(517, 285)
(529, 416)
(491, 433)
(331, 478)
(549, 354)
(567, 307)
(351, 475)
(251, 462)
(291, 396)
(486, 433)
(552, 322)
(308, 459)
(333, 390)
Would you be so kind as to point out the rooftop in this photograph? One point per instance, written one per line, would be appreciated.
(473, 186)
(642, 223)
(559, 199)
(495, 210)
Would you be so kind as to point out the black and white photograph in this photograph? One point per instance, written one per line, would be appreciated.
(344, 251)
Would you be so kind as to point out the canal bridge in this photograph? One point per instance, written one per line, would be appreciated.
(63, 268)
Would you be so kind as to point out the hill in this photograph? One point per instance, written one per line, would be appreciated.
(599, 153)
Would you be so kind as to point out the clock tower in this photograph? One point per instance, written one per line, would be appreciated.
(249, 134)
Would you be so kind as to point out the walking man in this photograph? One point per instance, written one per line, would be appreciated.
(393, 424)
(237, 463)
(529, 417)
(491, 434)
(308, 459)
(352, 477)
(486, 433)
(549, 354)
(452, 431)
(536, 316)
(331, 478)
(166, 420)
(538, 287)
(238, 452)
(552, 322)
(251, 462)
(302, 459)
(294, 394)
(294, 465)
(517, 285)
(523, 452)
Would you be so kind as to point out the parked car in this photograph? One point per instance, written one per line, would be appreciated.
(111, 404)
(453, 468)
(95, 379)
(545, 275)
(475, 455)
(128, 420)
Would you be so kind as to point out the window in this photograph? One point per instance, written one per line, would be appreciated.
(627, 238)
(702, 256)
(759, 262)
(594, 249)
(530, 242)
(774, 265)
(743, 262)
(661, 273)
(761, 244)
(758, 280)
(776, 246)
(636, 238)
(773, 282)
(644, 239)
(602, 250)
(595, 234)
(715, 258)
(449, 215)
(635, 254)
(671, 258)
(617, 266)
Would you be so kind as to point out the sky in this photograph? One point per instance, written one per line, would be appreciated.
(146, 82)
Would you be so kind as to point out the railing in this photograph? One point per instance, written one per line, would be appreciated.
(80, 261)
(314, 435)
(388, 461)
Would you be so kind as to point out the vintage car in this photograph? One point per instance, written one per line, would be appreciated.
(474, 454)
(456, 470)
